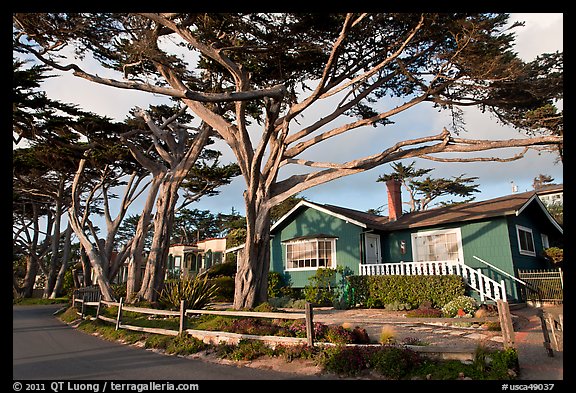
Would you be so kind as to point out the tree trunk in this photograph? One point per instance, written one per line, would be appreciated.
(53, 264)
(251, 283)
(31, 270)
(133, 284)
(64, 266)
(86, 270)
(163, 218)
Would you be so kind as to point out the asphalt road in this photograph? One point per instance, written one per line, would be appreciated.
(44, 348)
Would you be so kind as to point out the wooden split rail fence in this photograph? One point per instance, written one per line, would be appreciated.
(184, 313)
(87, 299)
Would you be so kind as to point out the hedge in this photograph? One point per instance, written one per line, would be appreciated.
(377, 291)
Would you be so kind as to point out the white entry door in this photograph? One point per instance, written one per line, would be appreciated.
(373, 250)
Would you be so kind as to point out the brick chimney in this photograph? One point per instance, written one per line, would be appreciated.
(394, 199)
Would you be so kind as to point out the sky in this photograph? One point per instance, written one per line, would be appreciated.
(542, 33)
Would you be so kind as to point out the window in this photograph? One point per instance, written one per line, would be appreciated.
(441, 245)
(310, 254)
(525, 241)
(545, 241)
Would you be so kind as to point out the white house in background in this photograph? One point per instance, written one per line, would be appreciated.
(552, 194)
(191, 259)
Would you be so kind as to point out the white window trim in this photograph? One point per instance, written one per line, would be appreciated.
(315, 240)
(457, 231)
(525, 252)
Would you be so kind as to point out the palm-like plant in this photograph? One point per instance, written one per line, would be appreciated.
(197, 291)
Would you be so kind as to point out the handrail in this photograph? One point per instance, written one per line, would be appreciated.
(500, 270)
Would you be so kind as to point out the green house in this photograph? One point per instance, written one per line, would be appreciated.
(486, 242)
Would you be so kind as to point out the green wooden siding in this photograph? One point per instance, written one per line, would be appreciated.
(308, 222)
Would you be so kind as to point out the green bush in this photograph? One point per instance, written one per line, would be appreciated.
(344, 360)
(248, 350)
(379, 291)
(394, 362)
(225, 288)
(326, 287)
(227, 269)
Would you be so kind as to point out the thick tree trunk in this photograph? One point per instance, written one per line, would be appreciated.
(134, 283)
(251, 282)
(155, 264)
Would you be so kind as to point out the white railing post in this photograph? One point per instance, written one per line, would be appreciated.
(503, 290)
(480, 284)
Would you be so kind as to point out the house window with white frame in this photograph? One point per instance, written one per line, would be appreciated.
(437, 245)
(525, 241)
(310, 254)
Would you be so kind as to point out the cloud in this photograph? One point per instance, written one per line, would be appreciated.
(542, 33)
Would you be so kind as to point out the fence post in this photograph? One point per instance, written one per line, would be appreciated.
(552, 324)
(83, 309)
(119, 314)
(99, 305)
(547, 345)
(183, 321)
(506, 323)
(309, 324)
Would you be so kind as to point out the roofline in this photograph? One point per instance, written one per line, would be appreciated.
(546, 212)
(319, 208)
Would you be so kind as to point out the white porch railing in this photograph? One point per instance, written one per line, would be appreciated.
(474, 278)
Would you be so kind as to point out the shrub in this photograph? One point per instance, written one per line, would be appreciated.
(425, 311)
(196, 291)
(322, 290)
(502, 362)
(185, 345)
(291, 352)
(276, 285)
(279, 302)
(360, 336)
(225, 288)
(298, 328)
(326, 287)
(461, 306)
(394, 362)
(298, 304)
(337, 334)
(227, 269)
(344, 360)
(248, 350)
(378, 291)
